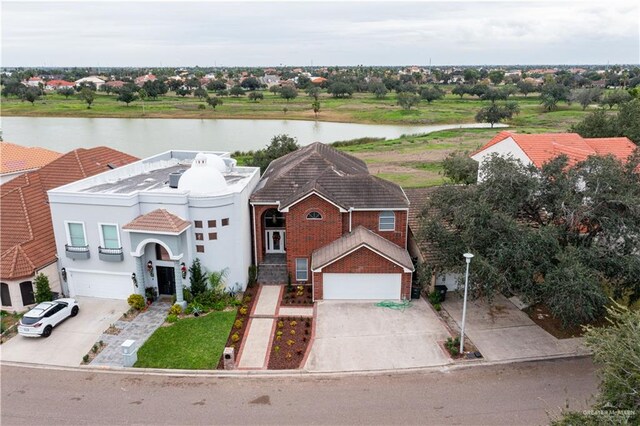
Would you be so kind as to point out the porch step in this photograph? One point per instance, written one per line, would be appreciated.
(272, 273)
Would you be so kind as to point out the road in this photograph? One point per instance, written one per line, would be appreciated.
(524, 393)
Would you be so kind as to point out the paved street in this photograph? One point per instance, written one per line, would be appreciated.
(506, 394)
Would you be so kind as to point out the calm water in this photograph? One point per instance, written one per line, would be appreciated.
(145, 137)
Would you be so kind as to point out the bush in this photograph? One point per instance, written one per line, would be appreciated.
(197, 278)
(219, 306)
(175, 310)
(435, 298)
(171, 318)
(136, 301)
(437, 307)
(43, 290)
(253, 275)
(187, 295)
(243, 310)
(238, 323)
(85, 358)
(453, 345)
(235, 337)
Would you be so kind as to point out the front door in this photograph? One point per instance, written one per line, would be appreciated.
(275, 240)
(166, 280)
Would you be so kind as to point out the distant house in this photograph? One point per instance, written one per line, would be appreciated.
(318, 80)
(27, 239)
(269, 80)
(34, 82)
(115, 84)
(144, 78)
(58, 84)
(540, 148)
(91, 79)
(18, 159)
(321, 219)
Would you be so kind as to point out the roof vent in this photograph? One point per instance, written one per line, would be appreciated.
(174, 178)
(111, 166)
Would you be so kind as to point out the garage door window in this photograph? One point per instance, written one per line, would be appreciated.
(387, 221)
(110, 238)
(302, 270)
(76, 234)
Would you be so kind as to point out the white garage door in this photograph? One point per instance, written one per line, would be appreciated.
(94, 284)
(361, 286)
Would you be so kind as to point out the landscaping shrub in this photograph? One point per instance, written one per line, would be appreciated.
(136, 301)
(253, 275)
(235, 337)
(187, 295)
(171, 318)
(43, 290)
(197, 278)
(175, 310)
(453, 346)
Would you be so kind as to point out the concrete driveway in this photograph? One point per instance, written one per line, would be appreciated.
(353, 336)
(503, 332)
(69, 341)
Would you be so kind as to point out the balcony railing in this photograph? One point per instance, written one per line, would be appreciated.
(77, 252)
(110, 254)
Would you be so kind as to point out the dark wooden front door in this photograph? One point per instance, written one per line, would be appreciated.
(26, 290)
(166, 280)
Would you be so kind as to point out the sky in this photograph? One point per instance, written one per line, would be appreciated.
(270, 33)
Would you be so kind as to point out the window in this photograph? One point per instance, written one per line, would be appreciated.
(26, 290)
(197, 223)
(314, 216)
(162, 253)
(109, 236)
(6, 297)
(213, 235)
(199, 236)
(211, 223)
(387, 221)
(76, 235)
(225, 222)
(302, 270)
(200, 249)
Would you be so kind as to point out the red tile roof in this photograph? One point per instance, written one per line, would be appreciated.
(16, 158)
(543, 147)
(60, 83)
(159, 220)
(27, 241)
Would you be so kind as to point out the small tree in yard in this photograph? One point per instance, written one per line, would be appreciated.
(407, 100)
(43, 290)
(288, 93)
(431, 94)
(236, 91)
(214, 102)
(316, 107)
(127, 96)
(460, 168)
(200, 93)
(279, 146)
(32, 94)
(256, 96)
(495, 113)
(197, 278)
(66, 92)
(88, 96)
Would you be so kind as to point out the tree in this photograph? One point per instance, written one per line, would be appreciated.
(288, 93)
(32, 94)
(88, 96)
(214, 102)
(431, 93)
(495, 113)
(460, 168)
(525, 87)
(552, 93)
(200, 93)
(616, 97)
(496, 76)
(127, 96)
(197, 278)
(256, 96)
(599, 124)
(340, 89)
(13, 88)
(316, 107)
(280, 145)
(183, 91)
(155, 88)
(407, 100)
(628, 121)
(378, 89)
(66, 92)
(43, 290)
(215, 85)
(586, 97)
(492, 94)
(251, 83)
(313, 92)
(471, 75)
(304, 82)
(459, 90)
(236, 91)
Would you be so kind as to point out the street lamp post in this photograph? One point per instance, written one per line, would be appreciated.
(468, 257)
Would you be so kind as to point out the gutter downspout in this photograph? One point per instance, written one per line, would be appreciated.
(350, 210)
(255, 248)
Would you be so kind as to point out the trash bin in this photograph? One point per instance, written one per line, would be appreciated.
(441, 291)
(415, 292)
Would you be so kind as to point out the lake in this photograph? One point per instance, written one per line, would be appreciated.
(144, 137)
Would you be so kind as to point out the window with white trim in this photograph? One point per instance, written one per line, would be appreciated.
(314, 215)
(109, 236)
(302, 269)
(387, 221)
(76, 235)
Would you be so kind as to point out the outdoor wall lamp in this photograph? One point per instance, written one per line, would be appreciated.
(150, 268)
(183, 269)
(134, 279)
(63, 272)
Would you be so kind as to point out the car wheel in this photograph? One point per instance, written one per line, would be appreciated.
(74, 311)
(47, 331)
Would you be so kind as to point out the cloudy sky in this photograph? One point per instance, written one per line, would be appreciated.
(161, 33)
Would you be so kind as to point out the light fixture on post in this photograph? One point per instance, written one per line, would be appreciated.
(183, 269)
(134, 279)
(63, 272)
(150, 268)
(468, 257)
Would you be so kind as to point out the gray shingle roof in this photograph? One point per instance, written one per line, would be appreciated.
(360, 237)
(340, 177)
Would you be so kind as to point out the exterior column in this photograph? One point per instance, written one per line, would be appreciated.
(179, 285)
(140, 276)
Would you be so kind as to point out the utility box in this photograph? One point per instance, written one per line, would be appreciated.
(129, 353)
(228, 359)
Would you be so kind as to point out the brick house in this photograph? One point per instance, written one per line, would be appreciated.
(321, 219)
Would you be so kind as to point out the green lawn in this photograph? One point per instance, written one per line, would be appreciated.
(191, 343)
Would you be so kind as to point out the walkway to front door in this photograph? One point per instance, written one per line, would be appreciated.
(166, 280)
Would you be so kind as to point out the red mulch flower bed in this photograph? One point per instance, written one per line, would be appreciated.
(297, 295)
(290, 342)
(239, 327)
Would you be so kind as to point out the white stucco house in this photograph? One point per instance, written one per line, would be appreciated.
(143, 224)
(99, 82)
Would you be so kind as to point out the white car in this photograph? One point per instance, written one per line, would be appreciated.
(40, 320)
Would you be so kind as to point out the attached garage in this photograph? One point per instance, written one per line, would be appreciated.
(362, 286)
(102, 285)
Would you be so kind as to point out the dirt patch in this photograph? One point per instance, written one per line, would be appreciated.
(240, 324)
(129, 315)
(95, 350)
(113, 330)
(290, 342)
(542, 316)
(300, 295)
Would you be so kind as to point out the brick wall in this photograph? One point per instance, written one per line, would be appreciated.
(370, 220)
(362, 261)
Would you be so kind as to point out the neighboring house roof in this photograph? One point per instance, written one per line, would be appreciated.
(26, 231)
(360, 237)
(159, 220)
(59, 83)
(418, 198)
(115, 83)
(16, 158)
(543, 147)
(339, 177)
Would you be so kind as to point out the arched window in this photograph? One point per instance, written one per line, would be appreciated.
(314, 215)
(6, 297)
(387, 221)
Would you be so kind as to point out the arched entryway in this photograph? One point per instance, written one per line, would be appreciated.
(274, 232)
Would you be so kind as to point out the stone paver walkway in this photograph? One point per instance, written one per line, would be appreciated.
(138, 329)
